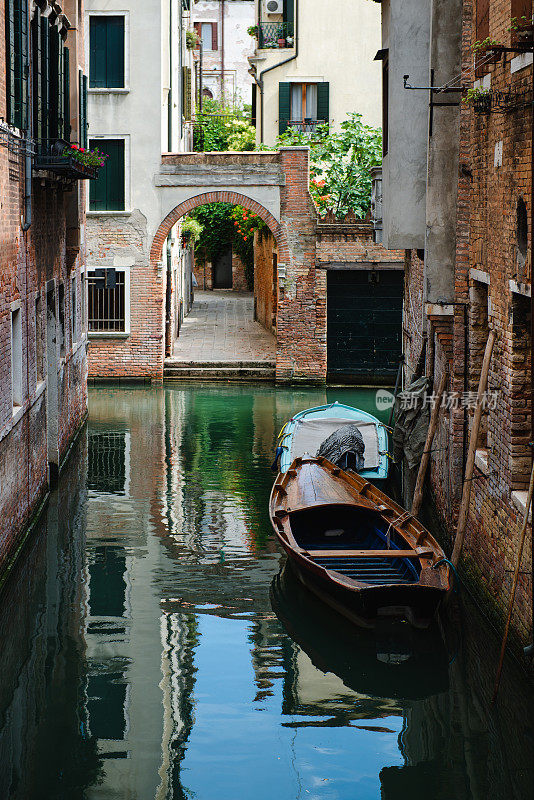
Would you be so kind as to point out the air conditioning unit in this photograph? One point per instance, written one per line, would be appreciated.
(273, 7)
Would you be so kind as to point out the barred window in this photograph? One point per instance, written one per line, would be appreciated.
(108, 301)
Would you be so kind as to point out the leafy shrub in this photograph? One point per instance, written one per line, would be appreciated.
(340, 164)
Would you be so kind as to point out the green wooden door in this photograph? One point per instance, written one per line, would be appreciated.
(364, 319)
(106, 193)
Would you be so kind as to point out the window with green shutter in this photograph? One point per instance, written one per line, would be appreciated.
(82, 91)
(106, 192)
(186, 93)
(323, 101)
(284, 103)
(16, 29)
(66, 94)
(106, 52)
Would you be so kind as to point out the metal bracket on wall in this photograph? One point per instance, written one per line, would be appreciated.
(433, 90)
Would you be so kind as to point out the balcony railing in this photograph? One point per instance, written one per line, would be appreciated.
(50, 156)
(272, 35)
(305, 125)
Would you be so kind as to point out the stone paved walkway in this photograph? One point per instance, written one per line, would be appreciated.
(221, 327)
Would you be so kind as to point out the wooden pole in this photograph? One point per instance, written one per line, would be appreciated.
(514, 584)
(418, 492)
(396, 390)
(470, 464)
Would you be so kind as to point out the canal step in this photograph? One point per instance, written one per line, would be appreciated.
(219, 370)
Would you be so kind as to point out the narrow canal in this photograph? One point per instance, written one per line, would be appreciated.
(151, 647)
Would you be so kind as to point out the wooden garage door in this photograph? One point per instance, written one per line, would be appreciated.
(364, 317)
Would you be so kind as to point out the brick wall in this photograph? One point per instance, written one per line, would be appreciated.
(492, 279)
(265, 280)
(239, 280)
(49, 251)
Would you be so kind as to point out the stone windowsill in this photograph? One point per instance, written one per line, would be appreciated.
(108, 90)
(108, 335)
(520, 62)
(519, 500)
(481, 461)
(124, 213)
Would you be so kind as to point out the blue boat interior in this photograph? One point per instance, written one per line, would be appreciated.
(344, 527)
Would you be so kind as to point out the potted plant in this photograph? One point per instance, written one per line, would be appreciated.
(190, 230)
(281, 41)
(290, 41)
(480, 99)
(522, 30)
(488, 50)
(252, 30)
(192, 39)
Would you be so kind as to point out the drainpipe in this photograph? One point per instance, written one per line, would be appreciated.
(169, 96)
(222, 51)
(280, 63)
(29, 138)
(532, 292)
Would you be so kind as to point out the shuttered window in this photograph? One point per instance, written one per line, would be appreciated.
(106, 192)
(66, 94)
(186, 92)
(16, 23)
(82, 90)
(284, 99)
(303, 105)
(323, 101)
(520, 9)
(208, 34)
(482, 20)
(106, 52)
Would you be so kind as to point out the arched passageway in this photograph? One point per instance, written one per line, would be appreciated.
(273, 185)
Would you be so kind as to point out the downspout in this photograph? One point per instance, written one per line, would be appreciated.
(169, 96)
(28, 163)
(222, 51)
(531, 263)
(280, 63)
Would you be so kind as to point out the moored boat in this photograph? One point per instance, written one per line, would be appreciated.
(353, 546)
(308, 430)
(393, 660)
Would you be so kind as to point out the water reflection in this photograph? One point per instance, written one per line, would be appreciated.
(145, 659)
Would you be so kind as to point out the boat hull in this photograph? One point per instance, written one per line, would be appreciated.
(364, 606)
(355, 548)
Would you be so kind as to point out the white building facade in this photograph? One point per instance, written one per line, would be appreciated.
(141, 84)
(314, 64)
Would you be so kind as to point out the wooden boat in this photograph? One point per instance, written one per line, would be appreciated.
(354, 547)
(305, 432)
(392, 660)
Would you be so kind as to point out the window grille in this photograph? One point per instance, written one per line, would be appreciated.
(107, 462)
(106, 306)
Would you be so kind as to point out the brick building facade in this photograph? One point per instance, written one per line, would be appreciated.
(43, 397)
(486, 237)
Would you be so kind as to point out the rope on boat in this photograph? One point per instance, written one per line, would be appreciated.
(451, 565)
(401, 518)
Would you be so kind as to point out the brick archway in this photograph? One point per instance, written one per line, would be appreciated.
(216, 197)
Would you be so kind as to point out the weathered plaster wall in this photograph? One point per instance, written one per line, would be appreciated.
(405, 37)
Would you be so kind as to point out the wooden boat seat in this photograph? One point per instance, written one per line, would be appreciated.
(421, 553)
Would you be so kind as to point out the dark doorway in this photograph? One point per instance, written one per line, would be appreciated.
(222, 271)
(364, 321)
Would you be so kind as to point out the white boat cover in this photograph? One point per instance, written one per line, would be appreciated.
(309, 434)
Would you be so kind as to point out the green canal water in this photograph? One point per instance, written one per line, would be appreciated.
(153, 645)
